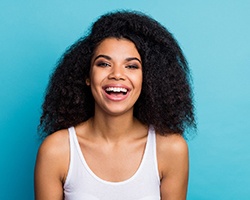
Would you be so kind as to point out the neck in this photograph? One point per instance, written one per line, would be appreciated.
(113, 128)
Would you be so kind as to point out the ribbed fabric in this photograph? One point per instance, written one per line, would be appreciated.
(82, 184)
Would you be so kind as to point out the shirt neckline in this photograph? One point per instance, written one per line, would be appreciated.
(79, 151)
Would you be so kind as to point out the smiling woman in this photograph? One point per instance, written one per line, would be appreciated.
(116, 76)
(114, 114)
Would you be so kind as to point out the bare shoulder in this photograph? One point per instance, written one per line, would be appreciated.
(172, 152)
(54, 153)
(172, 157)
(55, 144)
(171, 144)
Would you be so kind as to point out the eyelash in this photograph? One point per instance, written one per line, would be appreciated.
(104, 64)
(132, 67)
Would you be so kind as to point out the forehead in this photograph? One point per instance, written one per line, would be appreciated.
(114, 46)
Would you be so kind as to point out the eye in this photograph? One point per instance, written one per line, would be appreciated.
(103, 64)
(132, 66)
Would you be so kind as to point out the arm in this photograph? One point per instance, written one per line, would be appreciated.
(51, 167)
(173, 167)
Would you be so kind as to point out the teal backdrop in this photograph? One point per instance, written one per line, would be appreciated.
(215, 37)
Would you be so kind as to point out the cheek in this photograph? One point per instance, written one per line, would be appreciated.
(138, 80)
(95, 77)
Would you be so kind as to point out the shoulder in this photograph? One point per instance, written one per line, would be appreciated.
(173, 143)
(54, 152)
(172, 152)
(55, 143)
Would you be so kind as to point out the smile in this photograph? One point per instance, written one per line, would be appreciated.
(116, 90)
(116, 93)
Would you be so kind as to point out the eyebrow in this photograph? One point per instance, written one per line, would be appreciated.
(109, 58)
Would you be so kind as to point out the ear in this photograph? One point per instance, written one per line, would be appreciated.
(87, 81)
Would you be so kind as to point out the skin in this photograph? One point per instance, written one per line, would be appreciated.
(116, 63)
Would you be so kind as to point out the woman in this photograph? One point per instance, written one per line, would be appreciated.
(114, 115)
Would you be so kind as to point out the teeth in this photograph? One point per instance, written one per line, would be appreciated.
(115, 89)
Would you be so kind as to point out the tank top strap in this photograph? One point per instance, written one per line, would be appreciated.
(150, 154)
(73, 152)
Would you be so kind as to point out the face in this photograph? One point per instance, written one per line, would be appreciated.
(115, 76)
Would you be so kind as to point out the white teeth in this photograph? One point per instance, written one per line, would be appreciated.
(115, 89)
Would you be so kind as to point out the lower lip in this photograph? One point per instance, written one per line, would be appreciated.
(114, 97)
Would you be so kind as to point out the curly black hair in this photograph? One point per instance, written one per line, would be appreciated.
(166, 99)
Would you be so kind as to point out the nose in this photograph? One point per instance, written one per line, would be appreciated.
(117, 73)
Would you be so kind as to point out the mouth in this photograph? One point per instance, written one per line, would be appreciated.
(116, 91)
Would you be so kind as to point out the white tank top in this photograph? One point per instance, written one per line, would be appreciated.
(82, 184)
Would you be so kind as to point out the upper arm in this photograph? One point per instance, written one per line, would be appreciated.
(174, 167)
(51, 168)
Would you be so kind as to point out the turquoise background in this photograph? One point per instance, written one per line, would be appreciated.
(215, 37)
